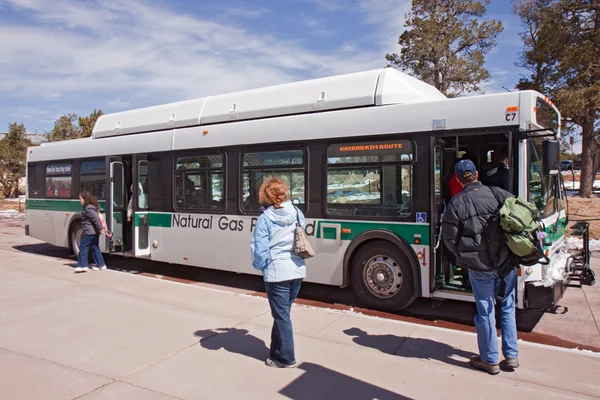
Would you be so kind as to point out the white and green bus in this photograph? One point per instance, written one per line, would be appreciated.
(367, 157)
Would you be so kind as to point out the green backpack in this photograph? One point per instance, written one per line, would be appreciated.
(520, 223)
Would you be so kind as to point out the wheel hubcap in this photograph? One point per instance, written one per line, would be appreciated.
(383, 276)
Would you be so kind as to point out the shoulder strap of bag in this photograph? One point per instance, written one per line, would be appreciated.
(496, 196)
(297, 216)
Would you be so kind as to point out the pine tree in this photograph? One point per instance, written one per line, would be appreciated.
(13, 153)
(562, 52)
(445, 44)
(65, 129)
(86, 124)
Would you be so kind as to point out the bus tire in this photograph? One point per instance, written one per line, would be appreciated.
(75, 235)
(382, 276)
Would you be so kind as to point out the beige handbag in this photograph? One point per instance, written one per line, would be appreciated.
(302, 247)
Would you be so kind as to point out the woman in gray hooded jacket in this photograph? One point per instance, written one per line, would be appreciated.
(92, 228)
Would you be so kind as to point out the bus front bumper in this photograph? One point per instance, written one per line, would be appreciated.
(545, 297)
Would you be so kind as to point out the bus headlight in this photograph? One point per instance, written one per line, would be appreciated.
(155, 244)
(529, 271)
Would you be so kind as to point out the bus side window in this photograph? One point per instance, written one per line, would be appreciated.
(199, 182)
(370, 179)
(289, 165)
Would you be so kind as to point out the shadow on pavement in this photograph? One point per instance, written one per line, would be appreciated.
(412, 347)
(318, 382)
(44, 249)
(234, 340)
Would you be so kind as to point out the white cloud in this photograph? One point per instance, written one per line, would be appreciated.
(246, 12)
(348, 47)
(135, 47)
(319, 27)
(118, 103)
(29, 112)
(118, 54)
(389, 17)
(333, 5)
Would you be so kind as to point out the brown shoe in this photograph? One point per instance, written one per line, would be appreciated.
(511, 363)
(492, 369)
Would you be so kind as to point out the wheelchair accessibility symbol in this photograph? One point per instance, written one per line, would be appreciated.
(421, 217)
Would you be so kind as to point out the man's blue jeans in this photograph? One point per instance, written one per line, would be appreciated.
(84, 245)
(281, 297)
(485, 287)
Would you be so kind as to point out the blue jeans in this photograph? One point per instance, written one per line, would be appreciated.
(485, 288)
(84, 245)
(281, 296)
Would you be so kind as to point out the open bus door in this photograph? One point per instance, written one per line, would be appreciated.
(115, 203)
(141, 226)
(437, 210)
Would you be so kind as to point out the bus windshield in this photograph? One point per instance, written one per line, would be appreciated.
(542, 188)
(546, 115)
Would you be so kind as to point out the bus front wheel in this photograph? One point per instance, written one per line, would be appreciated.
(382, 276)
(76, 235)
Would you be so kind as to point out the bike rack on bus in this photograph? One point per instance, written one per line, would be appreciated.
(579, 268)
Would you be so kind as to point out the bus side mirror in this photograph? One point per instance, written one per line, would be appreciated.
(550, 157)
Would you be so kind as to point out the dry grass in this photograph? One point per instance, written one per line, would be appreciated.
(12, 205)
(580, 208)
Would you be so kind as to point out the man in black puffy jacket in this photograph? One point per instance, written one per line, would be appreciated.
(470, 232)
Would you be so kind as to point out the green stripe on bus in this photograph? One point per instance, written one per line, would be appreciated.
(56, 205)
(407, 231)
(561, 227)
(160, 220)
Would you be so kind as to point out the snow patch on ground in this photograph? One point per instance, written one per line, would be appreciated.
(575, 185)
(574, 243)
(11, 214)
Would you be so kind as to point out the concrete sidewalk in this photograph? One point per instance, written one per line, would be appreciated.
(111, 335)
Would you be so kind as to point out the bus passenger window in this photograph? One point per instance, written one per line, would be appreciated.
(286, 164)
(59, 180)
(199, 183)
(93, 178)
(370, 179)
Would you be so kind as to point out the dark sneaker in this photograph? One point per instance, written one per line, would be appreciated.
(511, 363)
(492, 369)
(276, 364)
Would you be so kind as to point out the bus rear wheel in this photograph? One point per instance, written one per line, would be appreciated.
(382, 276)
(76, 234)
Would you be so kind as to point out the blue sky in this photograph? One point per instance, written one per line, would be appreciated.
(72, 56)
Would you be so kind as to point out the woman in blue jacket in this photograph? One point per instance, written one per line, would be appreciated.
(283, 270)
(92, 228)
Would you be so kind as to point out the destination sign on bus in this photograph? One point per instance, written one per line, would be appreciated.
(370, 147)
(58, 169)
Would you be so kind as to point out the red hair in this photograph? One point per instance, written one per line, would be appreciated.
(273, 192)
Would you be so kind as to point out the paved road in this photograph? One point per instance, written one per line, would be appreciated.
(573, 325)
(113, 335)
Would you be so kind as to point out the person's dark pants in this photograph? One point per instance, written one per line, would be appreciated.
(281, 297)
(84, 245)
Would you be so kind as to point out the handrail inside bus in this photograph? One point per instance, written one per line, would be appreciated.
(526, 134)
